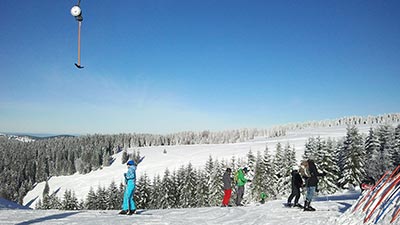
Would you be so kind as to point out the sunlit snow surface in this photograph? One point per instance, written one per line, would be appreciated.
(329, 208)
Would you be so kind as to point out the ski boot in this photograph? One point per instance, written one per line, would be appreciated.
(131, 212)
(123, 212)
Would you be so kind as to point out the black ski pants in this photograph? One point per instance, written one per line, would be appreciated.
(295, 193)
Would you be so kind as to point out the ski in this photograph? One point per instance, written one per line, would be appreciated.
(367, 205)
(395, 194)
(394, 183)
(372, 190)
(396, 214)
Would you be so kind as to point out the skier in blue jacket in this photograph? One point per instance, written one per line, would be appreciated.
(128, 205)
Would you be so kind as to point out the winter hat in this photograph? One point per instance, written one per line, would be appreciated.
(295, 167)
(131, 162)
(228, 170)
(245, 169)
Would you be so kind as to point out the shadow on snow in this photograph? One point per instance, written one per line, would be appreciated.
(46, 218)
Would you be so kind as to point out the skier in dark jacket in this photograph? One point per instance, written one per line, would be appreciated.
(227, 187)
(311, 175)
(297, 183)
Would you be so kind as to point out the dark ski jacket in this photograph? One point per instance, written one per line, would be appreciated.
(227, 181)
(297, 182)
(312, 181)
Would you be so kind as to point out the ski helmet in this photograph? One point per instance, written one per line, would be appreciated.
(130, 163)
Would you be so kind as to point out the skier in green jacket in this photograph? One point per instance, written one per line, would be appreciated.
(240, 182)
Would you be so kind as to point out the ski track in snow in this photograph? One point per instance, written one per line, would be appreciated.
(271, 213)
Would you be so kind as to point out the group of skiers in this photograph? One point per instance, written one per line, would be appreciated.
(240, 181)
(307, 171)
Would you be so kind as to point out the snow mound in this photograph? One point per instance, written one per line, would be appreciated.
(378, 205)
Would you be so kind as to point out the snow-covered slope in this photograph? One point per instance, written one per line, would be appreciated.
(157, 161)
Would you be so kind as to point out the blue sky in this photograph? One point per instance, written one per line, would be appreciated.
(164, 66)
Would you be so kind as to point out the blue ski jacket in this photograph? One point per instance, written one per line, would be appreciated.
(131, 174)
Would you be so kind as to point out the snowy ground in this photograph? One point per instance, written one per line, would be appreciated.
(329, 208)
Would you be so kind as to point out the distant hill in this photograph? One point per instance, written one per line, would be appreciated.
(33, 137)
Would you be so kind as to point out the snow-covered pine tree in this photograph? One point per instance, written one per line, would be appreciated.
(70, 202)
(168, 191)
(372, 155)
(91, 200)
(271, 180)
(202, 189)
(396, 150)
(101, 198)
(251, 160)
(385, 135)
(310, 149)
(289, 160)
(113, 197)
(143, 193)
(328, 164)
(354, 155)
(106, 158)
(125, 156)
(46, 189)
(156, 193)
(188, 191)
(279, 169)
(258, 179)
(215, 184)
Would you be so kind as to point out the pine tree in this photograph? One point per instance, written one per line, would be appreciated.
(91, 200)
(46, 189)
(310, 149)
(202, 189)
(280, 169)
(372, 155)
(386, 140)
(70, 202)
(258, 179)
(125, 157)
(112, 197)
(396, 149)
(353, 152)
(289, 160)
(328, 164)
(143, 196)
(156, 193)
(188, 191)
(214, 186)
(168, 191)
(270, 181)
(101, 194)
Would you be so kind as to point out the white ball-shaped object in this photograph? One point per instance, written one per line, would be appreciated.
(76, 11)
